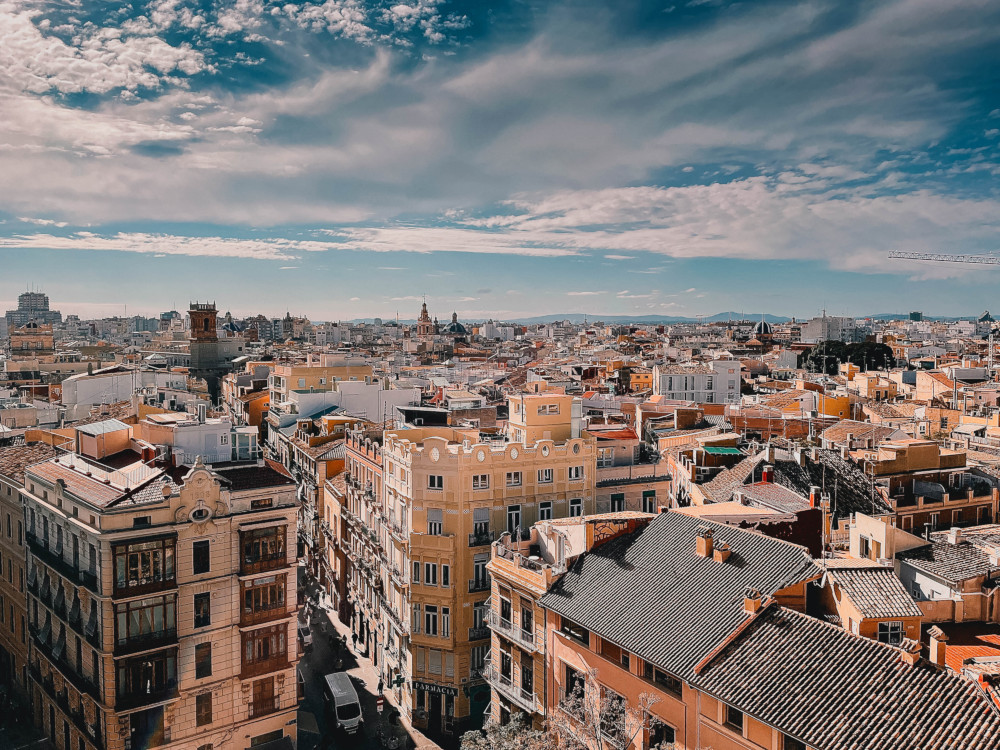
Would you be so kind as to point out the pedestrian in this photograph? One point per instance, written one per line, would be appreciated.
(381, 685)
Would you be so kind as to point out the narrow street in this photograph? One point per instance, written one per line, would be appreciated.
(331, 652)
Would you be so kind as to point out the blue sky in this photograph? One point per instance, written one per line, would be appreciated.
(343, 158)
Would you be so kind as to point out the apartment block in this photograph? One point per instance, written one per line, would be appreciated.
(14, 460)
(422, 507)
(161, 601)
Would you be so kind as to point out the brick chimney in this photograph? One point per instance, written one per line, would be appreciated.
(911, 651)
(752, 600)
(814, 497)
(722, 552)
(767, 474)
(955, 536)
(704, 545)
(939, 645)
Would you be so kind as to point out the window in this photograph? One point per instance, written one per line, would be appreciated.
(577, 632)
(890, 632)
(202, 610)
(660, 734)
(416, 571)
(790, 743)
(431, 574)
(548, 409)
(263, 595)
(866, 549)
(145, 619)
(147, 675)
(415, 620)
(435, 522)
(302, 382)
(265, 645)
(445, 575)
(575, 507)
(527, 618)
(481, 481)
(545, 476)
(142, 521)
(649, 501)
(479, 570)
(513, 518)
(262, 546)
(573, 684)
(575, 473)
(545, 510)
(431, 619)
(477, 659)
(433, 661)
(445, 622)
(617, 502)
(664, 679)
(144, 565)
(513, 479)
(201, 556)
(734, 719)
(435, 482)
(203, 660)
(203, 709)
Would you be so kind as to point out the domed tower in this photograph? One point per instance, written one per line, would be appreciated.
(763, 331)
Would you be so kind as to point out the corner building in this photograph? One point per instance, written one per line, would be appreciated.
(419, 535)
(161, 601)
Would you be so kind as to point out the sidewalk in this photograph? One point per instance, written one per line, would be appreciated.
(369, 675)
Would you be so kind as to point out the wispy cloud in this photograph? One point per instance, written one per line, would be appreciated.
(584, 294)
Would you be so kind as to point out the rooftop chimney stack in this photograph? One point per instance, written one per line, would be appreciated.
(955, 536)
(911, 651)
(814, 496)
(722, 552)
(939, 645)
(704, 546)
(767, 475)
(752, 600)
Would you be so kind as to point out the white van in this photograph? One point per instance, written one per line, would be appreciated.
(342, 701)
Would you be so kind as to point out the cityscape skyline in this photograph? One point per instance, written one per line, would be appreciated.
(639, 157)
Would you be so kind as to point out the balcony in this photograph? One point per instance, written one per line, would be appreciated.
(482, 538)
(81, 683)
(479, 584)
(523, 638)
(76, 716)
(144, 586)
(266, 666)
(263, 707)
(479, 634)
(150, 696)
(263, 563)
(146, 642)
(256, 617)
(504, 685)
(60, 566)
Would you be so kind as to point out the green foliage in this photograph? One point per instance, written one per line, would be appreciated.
(517, 734)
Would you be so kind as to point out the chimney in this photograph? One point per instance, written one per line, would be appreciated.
(704, 544)
(751, 600)
(767, 475)
(955, 536)
(911, 651)
(202, 413)
(850, 440)
(800, 456)
(769, 454)
(814, 496)
(722, 552)
(939, 645)
(814, 454)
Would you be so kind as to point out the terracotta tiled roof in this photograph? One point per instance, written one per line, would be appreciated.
(15, 459)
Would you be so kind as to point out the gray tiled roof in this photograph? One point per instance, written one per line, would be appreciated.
(970, 558)
(876, 592)
(837, 691)
(650, 592)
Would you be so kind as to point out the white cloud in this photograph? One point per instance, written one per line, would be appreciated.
(584, 294)
(100, 60)
(42, 222)
(620, 257)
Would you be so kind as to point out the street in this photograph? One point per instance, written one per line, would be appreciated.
(321, 659)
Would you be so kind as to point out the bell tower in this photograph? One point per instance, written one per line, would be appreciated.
(203, 321)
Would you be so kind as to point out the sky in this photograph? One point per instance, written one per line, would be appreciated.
(347, 158)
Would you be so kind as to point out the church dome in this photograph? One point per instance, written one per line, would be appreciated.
(455, 327)
(763, 328)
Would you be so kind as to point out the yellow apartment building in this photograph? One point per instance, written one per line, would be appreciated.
(423, 508)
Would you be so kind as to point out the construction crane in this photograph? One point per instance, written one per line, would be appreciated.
(988, 260)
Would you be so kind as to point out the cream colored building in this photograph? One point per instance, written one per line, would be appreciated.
(422, 510)
(161, 602)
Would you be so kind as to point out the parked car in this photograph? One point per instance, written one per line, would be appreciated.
(342, 701)
(305, 637)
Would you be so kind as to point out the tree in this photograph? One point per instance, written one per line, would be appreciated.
(517, 734)
(827, 356)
